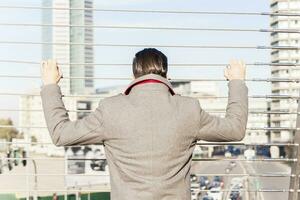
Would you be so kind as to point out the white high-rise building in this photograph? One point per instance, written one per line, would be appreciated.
(284, 56)
(30, 106)
(71, 43)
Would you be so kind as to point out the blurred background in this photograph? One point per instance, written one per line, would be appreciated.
(94, 43)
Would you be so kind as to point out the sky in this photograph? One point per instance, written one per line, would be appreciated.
(144, 37)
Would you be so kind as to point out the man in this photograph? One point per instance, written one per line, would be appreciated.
(149, 132)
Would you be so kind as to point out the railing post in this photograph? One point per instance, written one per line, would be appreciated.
(295, 169)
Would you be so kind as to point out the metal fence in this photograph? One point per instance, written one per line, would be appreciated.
(293, 160)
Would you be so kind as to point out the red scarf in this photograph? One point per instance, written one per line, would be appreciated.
(147, 81)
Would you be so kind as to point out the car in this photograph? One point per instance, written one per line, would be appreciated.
(194, 195)
(236, 181)
(219, 179)
(227, 154)
(215, 193)
(203, 182)
(193, 178)
(207, 198)
(215, 184)
(235, 195)
(234, 150)
(218, 151)
(249, 154)
(200, 152)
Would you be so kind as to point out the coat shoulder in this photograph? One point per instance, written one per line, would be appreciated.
(190, 103)
(112, 99)
(187, 99)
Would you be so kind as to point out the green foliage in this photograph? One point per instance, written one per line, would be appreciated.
(93, 196)
(8, 132)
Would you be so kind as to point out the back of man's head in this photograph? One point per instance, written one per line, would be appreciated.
(150, 60)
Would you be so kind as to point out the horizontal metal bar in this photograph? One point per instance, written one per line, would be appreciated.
(56, 158)
(209, 110)
(153, 45)
(246, 144)
(170, 64)
(154, 28)
(220, 174)
(32, 143)
(248, 160)
(249, 112)
(273, 128)
(194, 159)
(245, 190)
(249, 128)
(55, 190)
(171, 79)
(95, 190)
(54, 174)
(248, 175)
(155, 11)
(199, 97)
(198, 143)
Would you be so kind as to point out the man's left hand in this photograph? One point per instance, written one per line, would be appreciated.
(50, 72)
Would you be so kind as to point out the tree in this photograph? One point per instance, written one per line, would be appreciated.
(33, 138)
(8, 132)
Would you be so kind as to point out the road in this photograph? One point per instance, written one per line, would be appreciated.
(268, 182)
(204, 167)
(49, 181)
(217, 167)
(261, 167)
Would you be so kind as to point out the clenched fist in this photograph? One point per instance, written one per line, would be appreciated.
(235, 70)
(50, 72)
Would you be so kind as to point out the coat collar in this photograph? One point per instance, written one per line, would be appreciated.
(154, 77)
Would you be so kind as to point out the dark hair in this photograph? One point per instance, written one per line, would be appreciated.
(150, 60)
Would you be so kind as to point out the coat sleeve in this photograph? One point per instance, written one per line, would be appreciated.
(232, 127)
(63, 131)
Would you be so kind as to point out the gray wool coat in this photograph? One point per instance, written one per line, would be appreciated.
(148, 135)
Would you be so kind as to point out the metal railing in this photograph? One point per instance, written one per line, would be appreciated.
(294, 188)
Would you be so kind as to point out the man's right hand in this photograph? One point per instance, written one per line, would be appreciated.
(235, 70)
